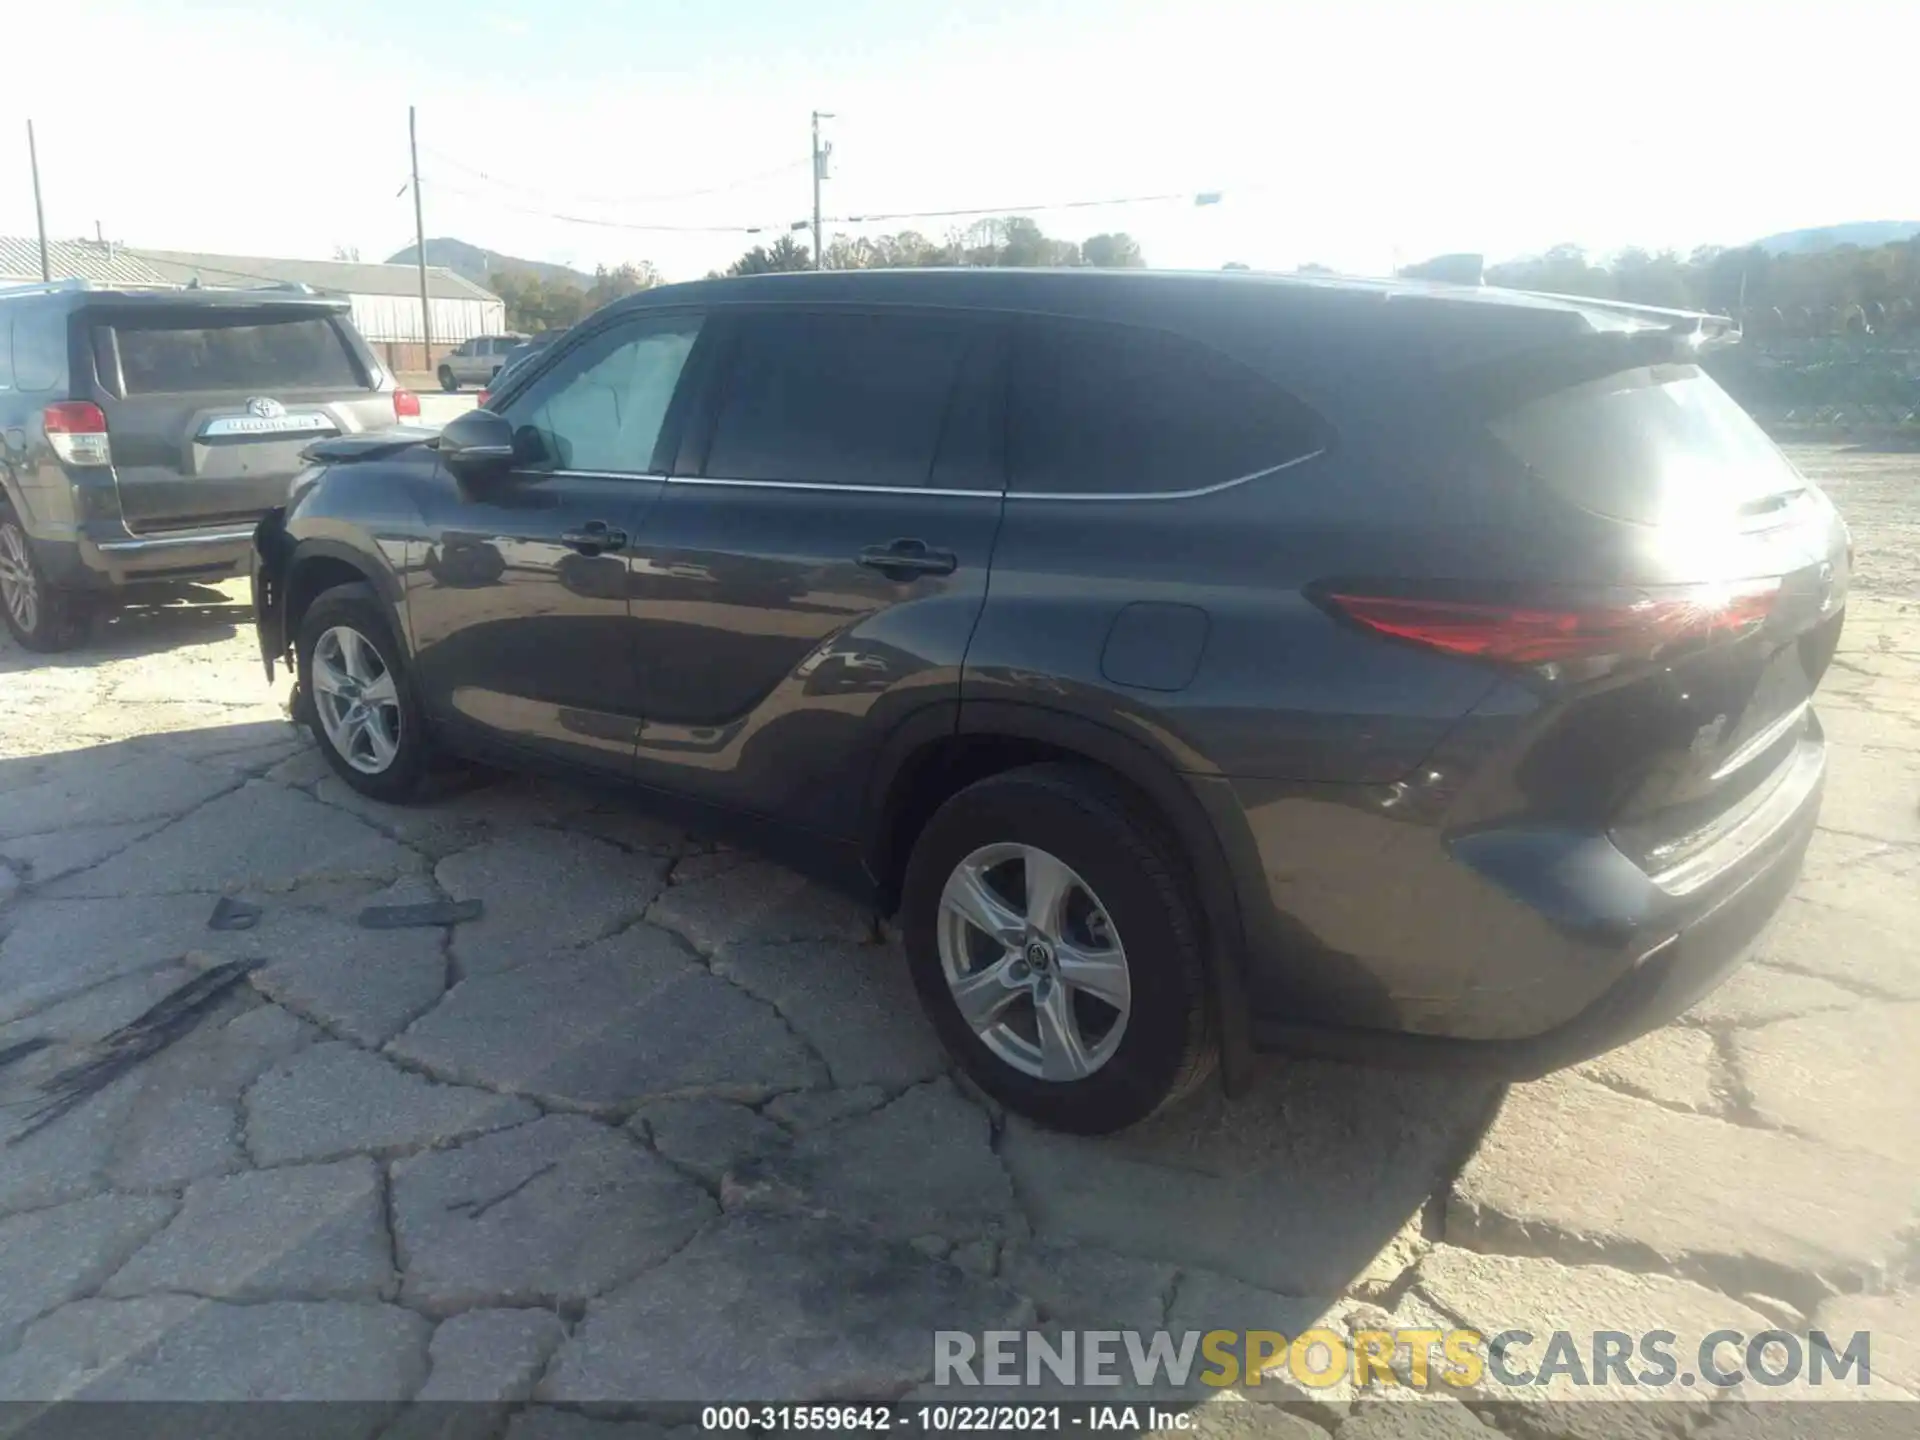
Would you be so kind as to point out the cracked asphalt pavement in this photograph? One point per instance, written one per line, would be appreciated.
(665, 1122)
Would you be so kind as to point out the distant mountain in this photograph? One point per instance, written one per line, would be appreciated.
(1864, 233)
(481, 265)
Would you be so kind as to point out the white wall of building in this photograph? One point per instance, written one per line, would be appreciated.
(390, 318)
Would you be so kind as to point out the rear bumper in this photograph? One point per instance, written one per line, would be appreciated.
(1516, 954)
(106, 555)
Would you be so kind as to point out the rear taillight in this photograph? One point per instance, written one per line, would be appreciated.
(1556, 630)
(406, 405)
(77, 431)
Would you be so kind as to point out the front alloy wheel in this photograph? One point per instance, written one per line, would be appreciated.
(356, 699)
(1033, 961)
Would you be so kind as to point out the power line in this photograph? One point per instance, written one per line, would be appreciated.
(606, 224)
(197, 265)
(745, 182)
(1203, 197)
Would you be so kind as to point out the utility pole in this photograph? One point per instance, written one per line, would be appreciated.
(420, 247)
(820, 158)
(40, 215)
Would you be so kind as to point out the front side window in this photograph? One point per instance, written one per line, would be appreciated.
(601, 408)
(1110, 409)
(837, 398)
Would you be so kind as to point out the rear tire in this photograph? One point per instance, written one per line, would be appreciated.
(447, 381)
(1122, 948)
(42, 618)
(363, 712)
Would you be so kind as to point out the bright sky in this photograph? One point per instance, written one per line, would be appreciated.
(1349, 133)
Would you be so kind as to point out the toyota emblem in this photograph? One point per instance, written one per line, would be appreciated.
(265, 407)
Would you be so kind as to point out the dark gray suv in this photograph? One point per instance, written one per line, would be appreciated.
(147, 432)
(1196, 664)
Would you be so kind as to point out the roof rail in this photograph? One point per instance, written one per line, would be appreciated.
(48, 287)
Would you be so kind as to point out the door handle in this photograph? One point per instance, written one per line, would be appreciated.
(594, 537)
(904, 559)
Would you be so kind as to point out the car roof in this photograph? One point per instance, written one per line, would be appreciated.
(1023, 288)
(1423, 323)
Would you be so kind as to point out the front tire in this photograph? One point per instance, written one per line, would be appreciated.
(1055, 945)
(447, 381)
(360, 702)
(40, 617)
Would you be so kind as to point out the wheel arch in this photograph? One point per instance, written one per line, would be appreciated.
(316, 566)
(946, 747)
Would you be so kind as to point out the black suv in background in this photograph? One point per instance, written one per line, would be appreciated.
(1197, 664)
(146, 433)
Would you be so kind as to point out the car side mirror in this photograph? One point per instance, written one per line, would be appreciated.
(477, 444)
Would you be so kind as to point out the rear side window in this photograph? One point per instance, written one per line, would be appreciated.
(39, 351)
(831, 398)
(169, 357)
(1652, 445)
(1109, 409)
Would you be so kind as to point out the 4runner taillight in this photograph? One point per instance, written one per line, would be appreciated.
(1555, 629)
(406, 405)
(77, 431)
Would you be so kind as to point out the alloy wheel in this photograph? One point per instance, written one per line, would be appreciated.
(19, 589)
(1034, 962)
(355, 697)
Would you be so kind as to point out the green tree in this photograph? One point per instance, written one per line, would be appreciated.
(533, 304)
(907, 249)
(623, 280)
(784, 254)
(1115, 251)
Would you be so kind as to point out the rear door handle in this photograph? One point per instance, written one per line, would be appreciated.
(904, 559)
(594, 537)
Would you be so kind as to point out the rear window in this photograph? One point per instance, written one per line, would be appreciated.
(1652, 445)
(159, 357)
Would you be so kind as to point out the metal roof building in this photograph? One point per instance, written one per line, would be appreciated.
(102, 264)
(385, 298)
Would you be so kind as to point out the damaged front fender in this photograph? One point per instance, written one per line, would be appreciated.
(272, 550)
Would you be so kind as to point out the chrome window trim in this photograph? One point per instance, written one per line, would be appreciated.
(1167, 494)
(825, 485)
(1005, 494)
(594, 474)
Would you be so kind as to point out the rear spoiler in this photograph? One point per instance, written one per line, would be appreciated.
(1662, 337)
(1700, 329)
(262, 297)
